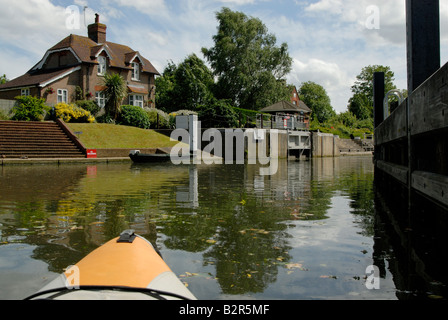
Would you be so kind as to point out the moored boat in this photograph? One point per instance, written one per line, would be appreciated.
(125, 268)
(139, 157)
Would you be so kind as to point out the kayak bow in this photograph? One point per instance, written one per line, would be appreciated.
(127, 267)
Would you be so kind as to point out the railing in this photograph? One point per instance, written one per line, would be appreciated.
(281, 122)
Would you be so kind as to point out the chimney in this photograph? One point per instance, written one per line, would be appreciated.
(97, 31)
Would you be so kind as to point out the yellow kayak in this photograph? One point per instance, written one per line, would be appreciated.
(127, 267)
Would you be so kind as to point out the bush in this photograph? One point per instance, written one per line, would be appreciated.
(134, 116)
(172, 116)
(29, 108)
(89, 105)
(164, 119)
(3, 115)
(72, 113)
(218, 114)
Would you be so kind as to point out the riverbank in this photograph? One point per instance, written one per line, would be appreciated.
(110, 136)
(62, 161)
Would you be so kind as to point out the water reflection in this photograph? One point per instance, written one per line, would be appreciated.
(227, 231)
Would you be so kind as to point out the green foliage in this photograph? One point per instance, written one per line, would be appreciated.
(248, 64)
(172, 116)
(72, 113)
(3, 115)
(247, 118)
(163, 119)
(89, 105)
(3, 79)
(194, 82)
(115, 92)
(345, 125)
(29, 108)
(347, 118)
(185, 86)
(79, 94)
(361, 103)
(218, 114)
(317, 99)
(165, 89)
(134, 116)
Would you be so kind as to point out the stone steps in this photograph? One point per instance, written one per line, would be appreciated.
(30, 139)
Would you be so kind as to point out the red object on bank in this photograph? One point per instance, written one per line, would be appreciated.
(91, 153)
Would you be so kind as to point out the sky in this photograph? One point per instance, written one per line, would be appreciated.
(330, 41)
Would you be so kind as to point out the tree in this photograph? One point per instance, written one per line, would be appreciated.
(317, 99)
(249, 66)
(114, 93)
(186, 86)
(165, 89)
(361, 103)
(3, 79)
(360, 106)
(194, 82)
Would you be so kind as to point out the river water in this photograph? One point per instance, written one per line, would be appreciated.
(307, 232)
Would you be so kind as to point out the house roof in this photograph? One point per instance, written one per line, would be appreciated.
(286, 106)
(87, 51)
(38, 78)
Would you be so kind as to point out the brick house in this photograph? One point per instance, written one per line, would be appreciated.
(294, 96)
(78, 62)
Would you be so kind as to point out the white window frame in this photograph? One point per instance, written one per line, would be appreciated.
(136, 71)
(62, 95)
(25, 92)
(136, 100)
(102, 65)
(100, 99)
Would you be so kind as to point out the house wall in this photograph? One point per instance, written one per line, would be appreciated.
(87, 79)
(90, 79)
(12, 94)
(69, 83)
(295, 97)
(60, 59)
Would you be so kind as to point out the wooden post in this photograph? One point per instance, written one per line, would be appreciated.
(423, 40)
(378, 98)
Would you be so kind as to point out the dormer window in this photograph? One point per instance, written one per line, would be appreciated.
(135, 71)
(102, 65)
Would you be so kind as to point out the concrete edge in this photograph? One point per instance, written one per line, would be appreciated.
(61, 161)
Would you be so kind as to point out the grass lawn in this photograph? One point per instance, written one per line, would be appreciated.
(109, 136)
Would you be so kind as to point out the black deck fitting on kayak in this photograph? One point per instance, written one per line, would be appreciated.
(127, 236)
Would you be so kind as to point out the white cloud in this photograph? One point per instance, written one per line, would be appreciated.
(333, 6)
(238, 2)
(151, 8)
(327, 39)
(330, 75)
(27, 28)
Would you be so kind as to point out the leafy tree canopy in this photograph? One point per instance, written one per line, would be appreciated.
(361, 103)
(249, 66)
(3, 79)
(184, 87)
(317, 99)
